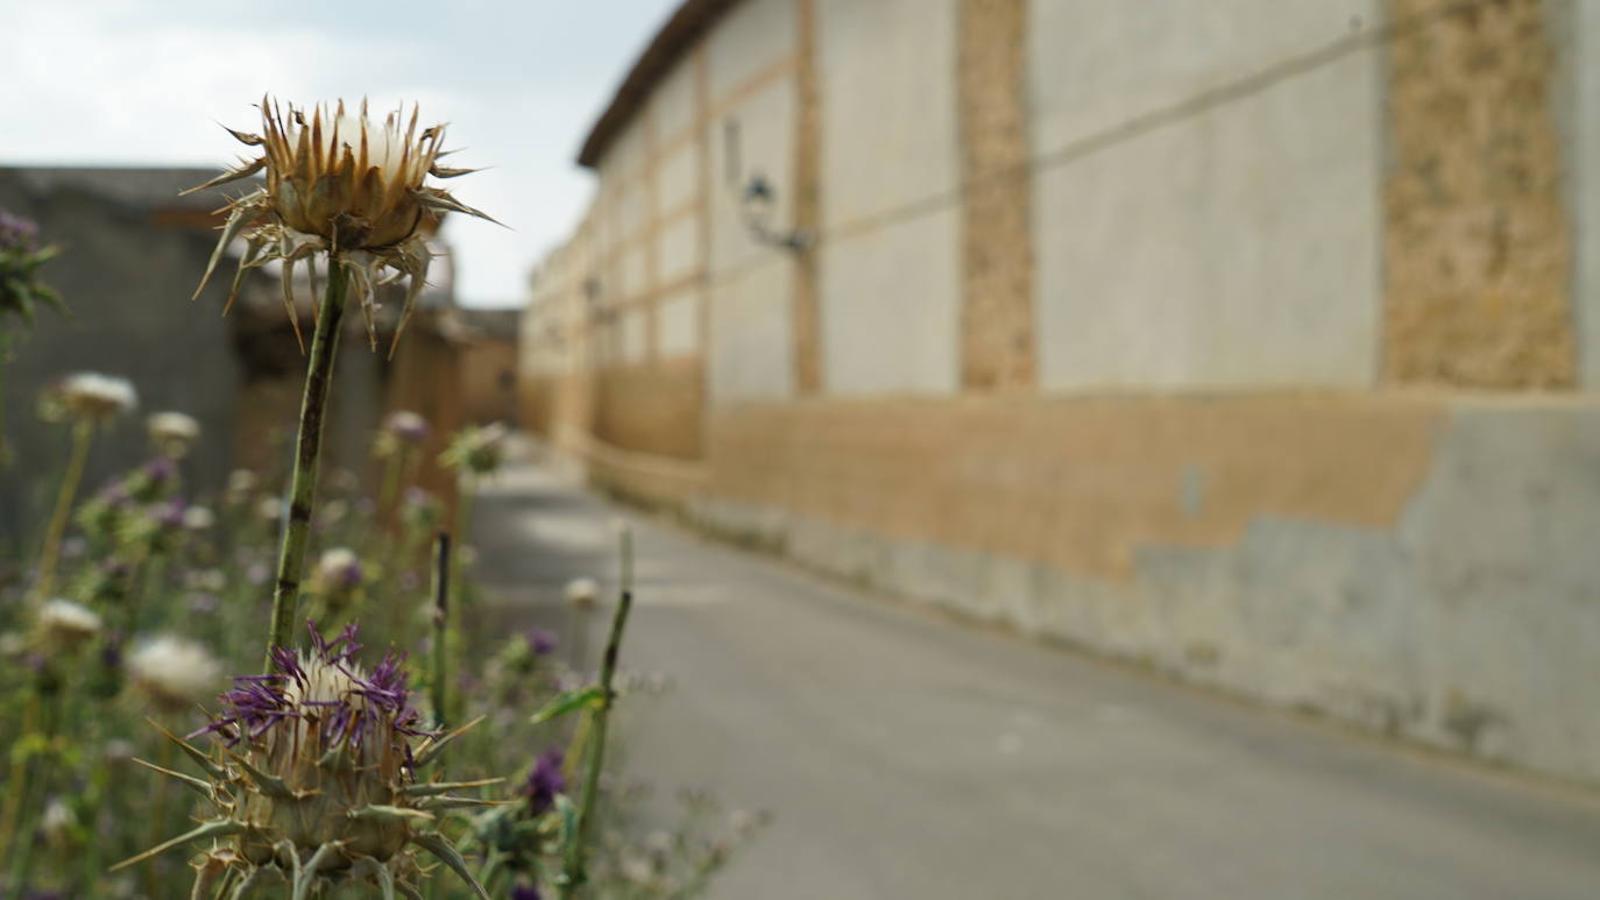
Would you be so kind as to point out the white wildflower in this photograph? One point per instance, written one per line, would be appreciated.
(95, 396)
(582, 591)
(173, 672)
(64, 625)
(199, 518)
(173, 433)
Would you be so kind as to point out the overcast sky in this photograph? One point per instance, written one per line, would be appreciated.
(145, 82)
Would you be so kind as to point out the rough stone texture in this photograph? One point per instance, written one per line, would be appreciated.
(1477, 246)
(1078, 483)
(1424, 618)
(652, 408)
(808, 200)
(997, 340)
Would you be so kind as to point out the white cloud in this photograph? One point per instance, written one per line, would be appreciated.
(130, 82)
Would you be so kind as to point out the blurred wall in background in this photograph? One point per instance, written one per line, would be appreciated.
(132, 254)
(1253, 340)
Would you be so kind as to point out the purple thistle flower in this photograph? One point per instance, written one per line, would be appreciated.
(160, 470)
(541, 641)
(325, 692)
(17, 232)
(111, 651)
(525, 892)
(545, 781)
(170, 515)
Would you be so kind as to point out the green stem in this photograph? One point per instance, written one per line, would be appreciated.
(308, 451)
(5, 360)
(573, 872)
(19, 781)
(439, 681)
(82, 436)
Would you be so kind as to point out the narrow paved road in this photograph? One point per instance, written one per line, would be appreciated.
(905, 756)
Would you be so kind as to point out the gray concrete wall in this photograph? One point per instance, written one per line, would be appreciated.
(1577, 36)
(1472, 624)
(128, 282)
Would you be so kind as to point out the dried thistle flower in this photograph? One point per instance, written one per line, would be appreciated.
(313, 778)
(173, 433)
(65, 626)
(269, 509)
(199, 518)
(242, 483)
(582, 592)
(96, 397)
(348, 186)
(420, 510)
(173, 672)
(337, 577)
(407, 426)
(475, 449)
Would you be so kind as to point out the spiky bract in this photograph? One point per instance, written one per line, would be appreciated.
(314, 777)
(348, 186)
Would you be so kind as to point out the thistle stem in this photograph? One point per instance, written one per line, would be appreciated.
(18, 782)
(5, 360)
(82, 436)
(573, 872)
(439, 683)
(308, 452)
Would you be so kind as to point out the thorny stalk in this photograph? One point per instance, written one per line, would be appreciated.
(574, 872)
(438, 683)
(308, 451)
(82, 437)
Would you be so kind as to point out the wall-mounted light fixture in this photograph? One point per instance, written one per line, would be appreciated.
(758, 201)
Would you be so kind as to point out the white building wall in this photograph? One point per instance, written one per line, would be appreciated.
(749, 354)
(1178, 256)
(890, 290)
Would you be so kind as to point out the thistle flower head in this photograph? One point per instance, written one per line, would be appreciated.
(65, 626)
(17, 232)
(314, 774)
(582, 592)
(541, 641)
(402, 428)
(242, 483)
(90, 395)
(475, 449)
(21, 292)
(199, 518)
(420, 510)
(338, 572)
(545, 781)
(350, 186)
(407, 426)
(270, 508)
(173, 672)
(172, 433)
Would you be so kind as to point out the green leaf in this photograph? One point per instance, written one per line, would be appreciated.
(567, 702)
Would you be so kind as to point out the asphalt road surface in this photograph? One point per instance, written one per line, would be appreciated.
(907, 756)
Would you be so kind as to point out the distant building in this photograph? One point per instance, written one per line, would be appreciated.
(133, 252)
(1254, 340)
